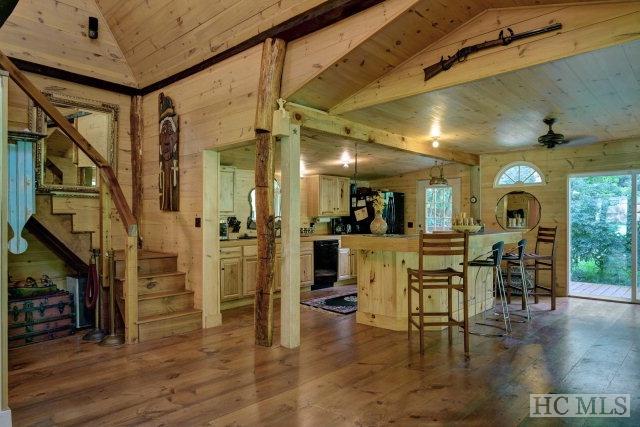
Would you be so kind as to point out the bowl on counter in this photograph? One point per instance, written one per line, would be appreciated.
(467, 228)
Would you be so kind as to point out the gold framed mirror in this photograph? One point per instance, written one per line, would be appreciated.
(60, 166)
(518, 210)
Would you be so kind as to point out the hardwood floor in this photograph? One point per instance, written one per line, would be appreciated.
(343, 374)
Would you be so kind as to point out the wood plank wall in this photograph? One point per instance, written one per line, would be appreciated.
(557, 165)
(408, 184)
(216, 108)
(18, 102)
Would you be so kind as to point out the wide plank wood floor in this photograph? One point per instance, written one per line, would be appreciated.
(343, 374)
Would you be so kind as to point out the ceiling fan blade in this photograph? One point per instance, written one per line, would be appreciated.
(582, 140)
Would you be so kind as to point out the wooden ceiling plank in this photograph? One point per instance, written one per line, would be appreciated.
(308, 56)
(586, 27)
(321, 121)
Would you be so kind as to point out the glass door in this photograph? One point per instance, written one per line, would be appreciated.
(603, 234)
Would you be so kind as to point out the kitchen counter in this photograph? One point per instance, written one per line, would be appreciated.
(382, 263)
(253, 241)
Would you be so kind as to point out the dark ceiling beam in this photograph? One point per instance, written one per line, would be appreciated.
(6, 7)
(301, 25)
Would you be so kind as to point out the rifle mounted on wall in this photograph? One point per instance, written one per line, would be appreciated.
(502, 40)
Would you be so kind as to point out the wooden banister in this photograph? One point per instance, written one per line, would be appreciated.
(108, 174)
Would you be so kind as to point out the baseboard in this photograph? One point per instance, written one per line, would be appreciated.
(5, 418)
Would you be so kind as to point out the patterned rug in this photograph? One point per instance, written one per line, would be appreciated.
(343, 304)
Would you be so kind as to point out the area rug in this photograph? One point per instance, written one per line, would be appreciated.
(343, 304)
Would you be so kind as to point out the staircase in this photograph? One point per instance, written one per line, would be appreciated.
(165, 306)
(77, 227)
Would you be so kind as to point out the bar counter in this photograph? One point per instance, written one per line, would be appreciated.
(382, 276)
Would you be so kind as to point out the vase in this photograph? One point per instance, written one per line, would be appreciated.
(378, 225)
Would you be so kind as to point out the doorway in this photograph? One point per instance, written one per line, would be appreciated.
(603, 236)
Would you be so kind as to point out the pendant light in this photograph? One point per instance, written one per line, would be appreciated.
(438, 181)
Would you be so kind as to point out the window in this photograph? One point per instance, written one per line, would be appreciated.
(437, 205)
(519, 174)
(438, 208)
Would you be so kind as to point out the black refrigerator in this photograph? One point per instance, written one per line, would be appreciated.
(362, 212)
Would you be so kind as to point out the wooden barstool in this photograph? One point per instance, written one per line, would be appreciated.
(439, 245)
(539, 261)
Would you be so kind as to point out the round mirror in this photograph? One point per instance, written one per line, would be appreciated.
(518, 210)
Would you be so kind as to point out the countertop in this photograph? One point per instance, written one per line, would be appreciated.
(312, 238)
(409, 242)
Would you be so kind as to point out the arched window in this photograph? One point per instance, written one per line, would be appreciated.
(519, 174)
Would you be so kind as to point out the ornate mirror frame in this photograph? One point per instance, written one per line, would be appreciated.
(36, 122)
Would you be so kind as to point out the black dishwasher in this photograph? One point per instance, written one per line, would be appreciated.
(325, 263)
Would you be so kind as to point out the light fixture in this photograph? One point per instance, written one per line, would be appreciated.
(438, 181)
(345, 159)
(303, 168)
(435, 143)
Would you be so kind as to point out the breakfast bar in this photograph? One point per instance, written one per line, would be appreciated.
(382, 263)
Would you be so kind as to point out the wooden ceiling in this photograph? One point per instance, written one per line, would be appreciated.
(596, 94)
(322, 153)
(162, 37)
(54, 33)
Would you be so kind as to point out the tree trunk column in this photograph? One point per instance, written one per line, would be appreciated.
(273, 51)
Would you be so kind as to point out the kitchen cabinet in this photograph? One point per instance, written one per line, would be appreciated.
(249, 275)
(306, 268)
(328, 195)
(230, 278)
(344, 264)
(227, 190)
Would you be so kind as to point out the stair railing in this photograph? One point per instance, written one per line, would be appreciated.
(109, 179)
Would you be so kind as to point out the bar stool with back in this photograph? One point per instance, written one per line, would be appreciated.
(539, 261)
(421, 280)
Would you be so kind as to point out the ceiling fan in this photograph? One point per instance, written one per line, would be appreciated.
(551, 138)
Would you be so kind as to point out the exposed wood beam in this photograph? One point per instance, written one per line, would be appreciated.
(273, 52)
(137, 125)
(68, 76)
(585, 27)
(324, 122)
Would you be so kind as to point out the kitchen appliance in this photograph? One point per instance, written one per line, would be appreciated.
(325, 263)
(362, 212)
(341, 225)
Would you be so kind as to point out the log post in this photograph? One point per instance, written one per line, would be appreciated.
(136, 124)
(273, 51)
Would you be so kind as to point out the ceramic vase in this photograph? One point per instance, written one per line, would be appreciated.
(378, 225)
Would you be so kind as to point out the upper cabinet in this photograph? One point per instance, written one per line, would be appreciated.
(327, 195)
(227, 190)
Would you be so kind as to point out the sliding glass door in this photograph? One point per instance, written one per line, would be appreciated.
(603, 236)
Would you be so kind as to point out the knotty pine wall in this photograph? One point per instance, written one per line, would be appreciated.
(408, 184)
(216, 108)
(18, 105)
(556, 164)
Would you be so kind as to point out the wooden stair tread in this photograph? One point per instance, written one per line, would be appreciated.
(163, 294)
(153, 275)
(143, 254)
(176, 314)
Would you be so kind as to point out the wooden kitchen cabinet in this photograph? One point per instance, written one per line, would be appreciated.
(227, 190)
(344, 264)
(328, 195)
(230, 278)
(249, 275)
(306, 269)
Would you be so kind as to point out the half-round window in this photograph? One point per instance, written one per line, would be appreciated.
(519, 174)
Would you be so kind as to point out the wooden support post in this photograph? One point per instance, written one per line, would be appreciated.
(5, 413)
(268, 92)
(290, 289)
(210, 239)
(131, 287)
(105, 246)
(136, 123)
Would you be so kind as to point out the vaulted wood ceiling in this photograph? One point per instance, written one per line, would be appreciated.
(595, 95)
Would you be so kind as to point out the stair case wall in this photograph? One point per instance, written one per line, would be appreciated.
(165, 306)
